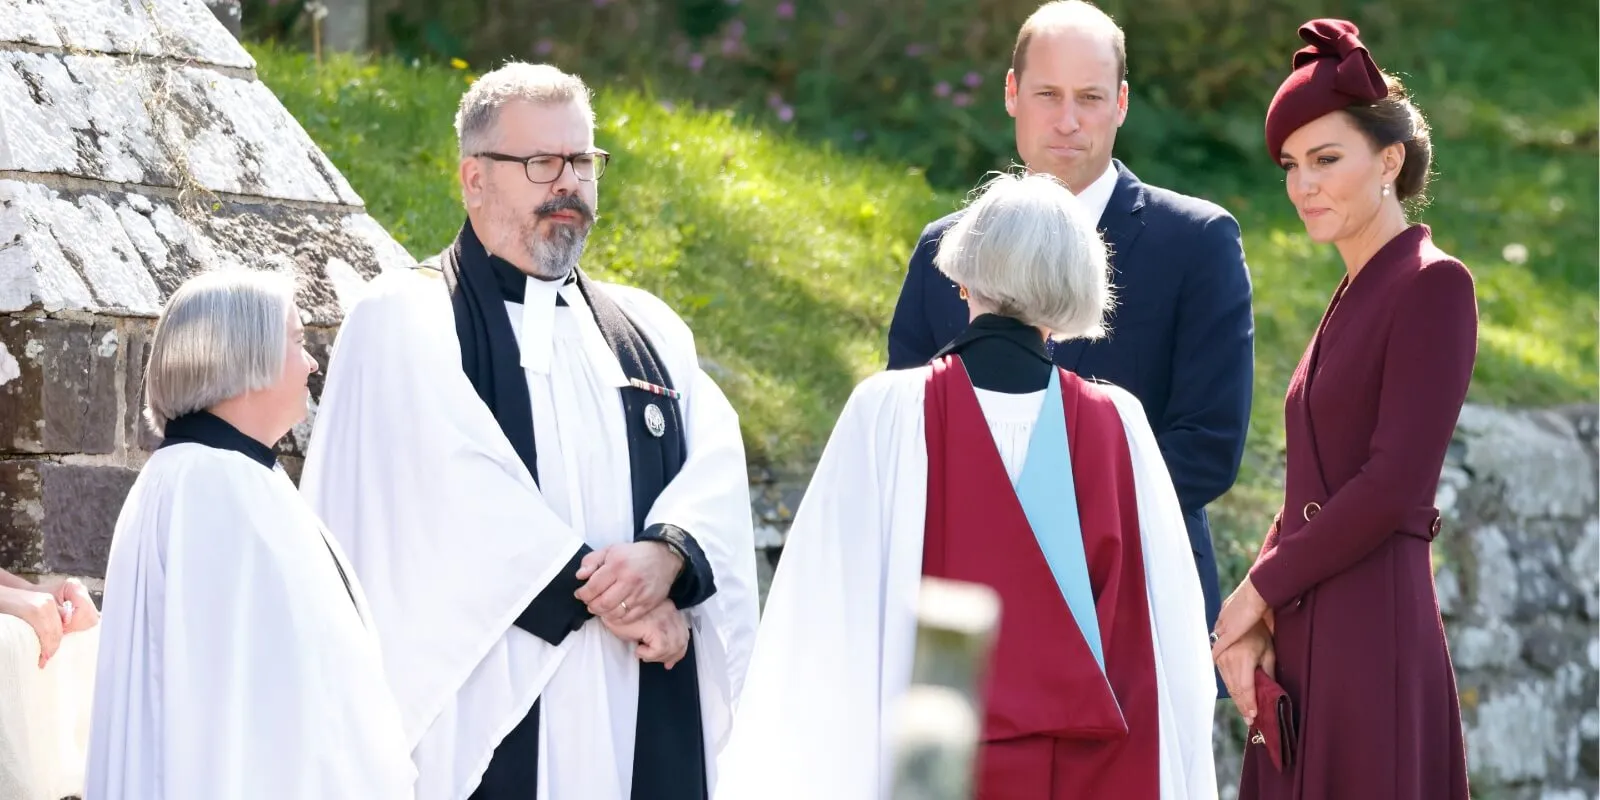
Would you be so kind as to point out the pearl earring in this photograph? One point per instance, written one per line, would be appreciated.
(1386, 190)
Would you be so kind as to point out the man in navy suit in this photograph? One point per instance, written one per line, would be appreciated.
(1181, 338)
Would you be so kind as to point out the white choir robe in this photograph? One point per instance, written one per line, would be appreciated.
(834, 654)
(233, 660)
(453, 538)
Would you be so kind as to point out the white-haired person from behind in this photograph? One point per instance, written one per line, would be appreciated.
(991, 466)
(237, 659)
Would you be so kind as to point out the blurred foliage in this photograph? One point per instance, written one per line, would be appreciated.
(921, 81)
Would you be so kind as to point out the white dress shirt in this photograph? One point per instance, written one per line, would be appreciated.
(1096, 195)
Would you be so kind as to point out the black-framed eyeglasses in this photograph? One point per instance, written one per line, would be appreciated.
(547, 167)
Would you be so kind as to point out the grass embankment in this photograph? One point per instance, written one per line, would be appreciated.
(786, 257)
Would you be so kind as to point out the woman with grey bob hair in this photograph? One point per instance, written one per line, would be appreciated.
(223, 336)
(237, 658)
(1024, 250)
(993, 466)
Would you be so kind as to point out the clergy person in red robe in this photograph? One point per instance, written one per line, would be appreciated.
(1340, 604)
(993, 466)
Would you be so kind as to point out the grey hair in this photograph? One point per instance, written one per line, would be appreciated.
(540, 84)
(221, 335)
(1027, 250)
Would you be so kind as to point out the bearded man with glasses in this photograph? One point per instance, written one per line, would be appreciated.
(543, 493)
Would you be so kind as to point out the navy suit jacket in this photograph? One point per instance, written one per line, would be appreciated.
(1181, 338)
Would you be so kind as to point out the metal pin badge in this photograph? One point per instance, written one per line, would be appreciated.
(654, 421)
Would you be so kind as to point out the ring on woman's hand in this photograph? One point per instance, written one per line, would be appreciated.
(624, 605)
(1213, 637)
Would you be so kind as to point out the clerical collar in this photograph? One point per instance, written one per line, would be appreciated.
(203, 427)
(1003, 354)
(513, 282)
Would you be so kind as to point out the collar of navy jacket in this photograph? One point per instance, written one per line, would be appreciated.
(1121, 225)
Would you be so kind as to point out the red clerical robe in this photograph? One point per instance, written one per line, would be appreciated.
(1055, 725)
(912, 483)
(1359, 642)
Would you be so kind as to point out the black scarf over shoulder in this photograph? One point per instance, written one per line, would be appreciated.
(669, 758)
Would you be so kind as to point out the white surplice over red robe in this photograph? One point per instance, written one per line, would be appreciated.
(1100, 683)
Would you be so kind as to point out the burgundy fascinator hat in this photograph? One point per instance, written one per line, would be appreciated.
(1332, 72)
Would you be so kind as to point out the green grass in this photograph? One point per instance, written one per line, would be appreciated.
(786, 257)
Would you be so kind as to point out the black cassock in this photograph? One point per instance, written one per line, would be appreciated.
(669, 750)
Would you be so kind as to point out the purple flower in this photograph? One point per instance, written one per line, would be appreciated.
(973, 79)
(942, 88)
(840, 19)
(774, 100)
(601, 3)
(696, 61)
(915, 50)
(785, 113)
(785, 10)
(544, 46)
(736, 29)
(729, 47)
(668, 106)
(961, 100)
(859, 135)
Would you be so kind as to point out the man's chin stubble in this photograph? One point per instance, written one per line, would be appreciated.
(555, 261)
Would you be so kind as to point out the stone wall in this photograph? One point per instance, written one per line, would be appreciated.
(1518, 590)
(774, 497)
(1517, 566)
(137, 147)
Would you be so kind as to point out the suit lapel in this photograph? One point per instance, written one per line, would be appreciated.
(1121, 225)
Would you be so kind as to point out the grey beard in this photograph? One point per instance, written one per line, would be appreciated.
(556, 256)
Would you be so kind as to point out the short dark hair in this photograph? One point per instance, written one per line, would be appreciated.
(1396, 120)
(1063, 12)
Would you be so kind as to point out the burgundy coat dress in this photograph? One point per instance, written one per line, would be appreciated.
(1360, 646)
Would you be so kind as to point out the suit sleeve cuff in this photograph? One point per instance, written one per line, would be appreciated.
(556, 612)
(695, 583)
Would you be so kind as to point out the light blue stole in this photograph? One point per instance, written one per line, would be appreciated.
(1049, 498)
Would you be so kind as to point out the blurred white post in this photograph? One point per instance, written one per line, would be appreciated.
(936, 739)
(344, 28)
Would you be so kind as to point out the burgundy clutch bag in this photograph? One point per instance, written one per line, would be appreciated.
(1274, 727)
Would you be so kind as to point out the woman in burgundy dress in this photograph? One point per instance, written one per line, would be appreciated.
(1340, 606)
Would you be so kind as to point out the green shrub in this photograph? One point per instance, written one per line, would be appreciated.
(920, 81)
